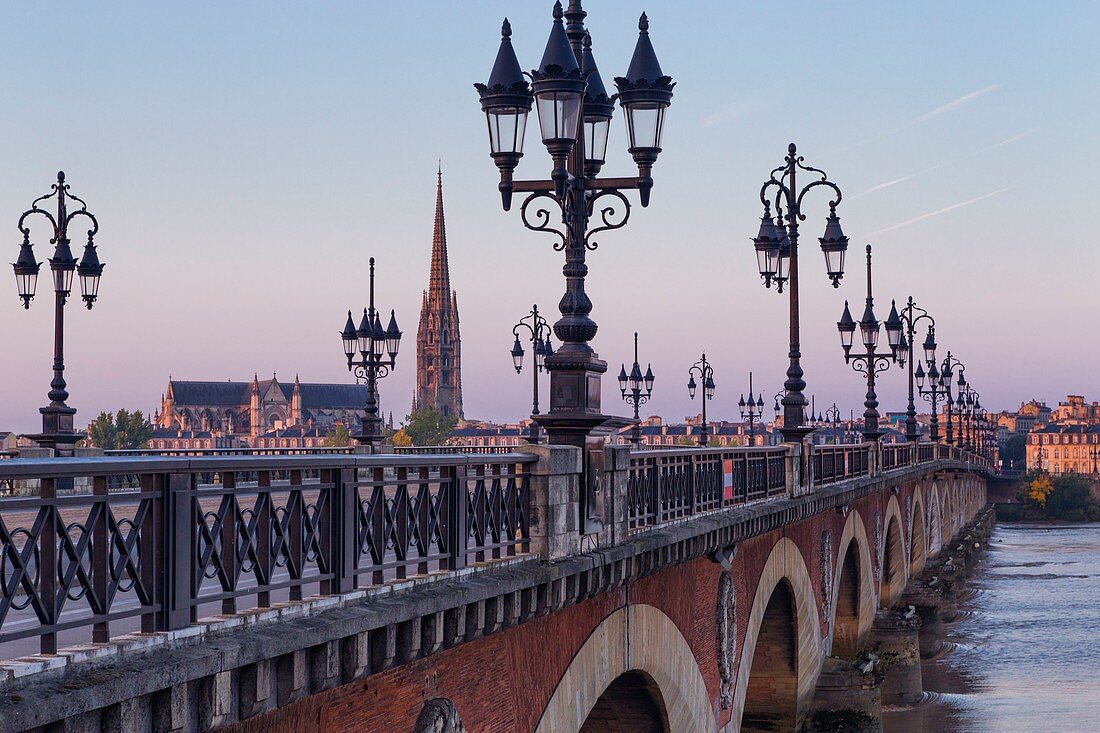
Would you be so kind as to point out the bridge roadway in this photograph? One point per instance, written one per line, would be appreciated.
(741, 589)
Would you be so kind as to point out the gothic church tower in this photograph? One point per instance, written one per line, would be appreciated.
(438, 345)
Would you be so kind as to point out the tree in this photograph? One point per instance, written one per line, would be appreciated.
(340, 437)
(400, 438)
(1035, 489)
(427, 426)
(124, 430)
(1014, 449)
(1070, 498)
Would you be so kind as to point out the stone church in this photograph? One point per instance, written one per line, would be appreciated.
(438, 344)
(245, 412)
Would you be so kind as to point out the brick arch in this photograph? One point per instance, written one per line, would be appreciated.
(636, 638)
(935, 531)
(854, 531)
(785, 564)
(918, 533)
(893, 548)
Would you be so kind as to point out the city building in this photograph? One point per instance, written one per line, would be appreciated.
(1065, 448)
(258, 414)
(1076, 410)
(438, 343)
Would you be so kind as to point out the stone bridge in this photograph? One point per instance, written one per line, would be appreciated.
(718, 590)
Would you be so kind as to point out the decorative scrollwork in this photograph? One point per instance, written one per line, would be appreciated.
(608, 215)
(879, 362)
(539, 220)
(361, 372)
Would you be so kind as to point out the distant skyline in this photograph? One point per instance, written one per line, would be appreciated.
(244, 161)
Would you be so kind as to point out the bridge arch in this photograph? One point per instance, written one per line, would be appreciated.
(918, 534)
(853, 606)
(893, 570)
(935, 520)
(638, 648)
(784, 621)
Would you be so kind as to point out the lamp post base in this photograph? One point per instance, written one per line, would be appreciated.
(57, 431)
(796, 434)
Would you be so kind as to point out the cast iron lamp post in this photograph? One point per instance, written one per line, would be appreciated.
(751, 410)
(938, 386)
(539, 331)
(911, 315)
(777, 259)
(832, 416)
(58, 431)
(574, 112)
(636, 390)
(377, 349)
(706, 377)
(870, 362)
(950, 363)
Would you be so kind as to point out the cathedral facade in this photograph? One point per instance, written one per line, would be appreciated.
(232, 414)
(438, 344)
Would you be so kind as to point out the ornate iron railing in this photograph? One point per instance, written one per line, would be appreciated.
(832, 463)
(665, 485)
(926, 452)
(204, 535)
(452, 449)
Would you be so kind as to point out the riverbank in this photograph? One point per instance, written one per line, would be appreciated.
(1020, 653)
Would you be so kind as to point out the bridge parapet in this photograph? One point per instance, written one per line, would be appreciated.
(412, 553)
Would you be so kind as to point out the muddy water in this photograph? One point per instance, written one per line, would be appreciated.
(1024, 653)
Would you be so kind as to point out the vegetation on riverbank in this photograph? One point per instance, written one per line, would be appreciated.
(1041, 496)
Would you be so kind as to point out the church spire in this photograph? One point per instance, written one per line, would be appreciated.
(439, 287)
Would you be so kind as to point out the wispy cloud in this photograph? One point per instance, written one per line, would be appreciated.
(937, 212)
(1014, 138)
(911, 176)
(956, 103)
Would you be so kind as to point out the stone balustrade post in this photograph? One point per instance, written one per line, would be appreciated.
(796, 453)
(553, 518)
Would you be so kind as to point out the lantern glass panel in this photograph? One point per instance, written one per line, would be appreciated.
(559, 114)
(595, 138)
(27, 282)
(645, 124)
(834, 261)
(89, 286)
(506, 129)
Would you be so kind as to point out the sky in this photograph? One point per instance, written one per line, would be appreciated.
(245, 160)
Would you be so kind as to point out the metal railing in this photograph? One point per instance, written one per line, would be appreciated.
(412, 450)
(832, 463)
(218, 534)
(664, 485)
(196, 452)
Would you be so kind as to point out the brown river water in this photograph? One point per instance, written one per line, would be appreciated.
(1024, 652)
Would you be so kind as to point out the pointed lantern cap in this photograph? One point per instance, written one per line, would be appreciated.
(507, 86)
(558, 59)
(846, 324)
(644, 80)
(596, 101)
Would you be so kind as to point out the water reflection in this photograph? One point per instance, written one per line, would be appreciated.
(1024, 653)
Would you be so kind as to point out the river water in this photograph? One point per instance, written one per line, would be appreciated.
(1024, 653)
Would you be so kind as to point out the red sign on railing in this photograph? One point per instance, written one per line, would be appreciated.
(727, 480)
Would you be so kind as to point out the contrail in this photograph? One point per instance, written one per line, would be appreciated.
(1014, 138)
(937, 212)
(956, 103)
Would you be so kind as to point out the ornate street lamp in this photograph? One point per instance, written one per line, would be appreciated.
(539, 332)
(636, 390)
(869, 362)
(706, 377)
(832, 417)
(777, 259)
(574, 113)
(938, 384)
(58, 431)
(751, 410)
(911, 315)
(377, 348)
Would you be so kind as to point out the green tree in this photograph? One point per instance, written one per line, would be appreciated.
(122, 431)
(1070, 498)
(427, 426)
(1013, 451)
(340, 437)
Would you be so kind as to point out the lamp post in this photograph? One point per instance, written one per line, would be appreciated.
(636, 390)
(777, 259)
(574, 112)
(869, 362)
(539, 331)
(911, 315)
(832, 416)
(751, 410)
(706, 377)
(58, 431)
(938, 386)
(950, 363)
(377, 349)
(1094, 453)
